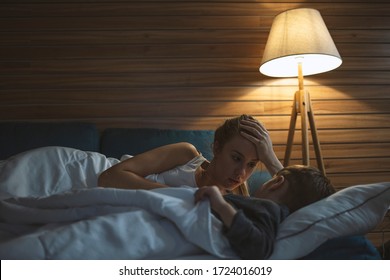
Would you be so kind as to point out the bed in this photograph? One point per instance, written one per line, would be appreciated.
(50, 207)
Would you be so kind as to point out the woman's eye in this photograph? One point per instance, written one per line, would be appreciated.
(236, 158)
(252, 165)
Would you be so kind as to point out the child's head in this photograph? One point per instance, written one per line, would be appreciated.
(297, 186)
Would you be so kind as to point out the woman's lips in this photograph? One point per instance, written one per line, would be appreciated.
(234, 181)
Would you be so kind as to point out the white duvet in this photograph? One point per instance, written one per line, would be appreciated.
(50, 208)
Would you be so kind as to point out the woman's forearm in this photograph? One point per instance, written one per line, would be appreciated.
(273, 164)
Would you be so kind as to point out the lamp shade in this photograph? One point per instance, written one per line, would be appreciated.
(299, 35)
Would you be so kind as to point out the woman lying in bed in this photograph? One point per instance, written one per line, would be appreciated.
(239, 144)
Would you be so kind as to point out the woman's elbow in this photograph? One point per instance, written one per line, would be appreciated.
(104, 178)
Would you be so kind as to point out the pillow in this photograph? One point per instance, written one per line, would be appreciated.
(351, 211)
(352, 247)
(49, 170)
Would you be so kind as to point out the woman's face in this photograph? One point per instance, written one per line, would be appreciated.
(235, 162)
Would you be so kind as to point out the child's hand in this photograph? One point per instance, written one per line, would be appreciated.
(217, 203)
(212, 193)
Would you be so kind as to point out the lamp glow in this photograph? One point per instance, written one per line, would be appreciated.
(299, 33)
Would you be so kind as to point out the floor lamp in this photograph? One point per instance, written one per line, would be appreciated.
(299, 44)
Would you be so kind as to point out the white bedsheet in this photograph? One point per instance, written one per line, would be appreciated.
(87, 222)
(111, 224)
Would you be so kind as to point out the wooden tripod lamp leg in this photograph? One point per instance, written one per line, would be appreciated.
(303, 105)
(316, 142)
(291, 131)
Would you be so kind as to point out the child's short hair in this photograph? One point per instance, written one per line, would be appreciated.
(306, 185)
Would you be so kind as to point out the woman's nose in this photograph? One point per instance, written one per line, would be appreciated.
(240, 171)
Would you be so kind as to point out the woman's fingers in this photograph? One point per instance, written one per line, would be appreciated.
(256, 132)
(253, 130)
(253, 126)
(259, 136)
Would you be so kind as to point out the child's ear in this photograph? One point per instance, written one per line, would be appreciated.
(277, 182)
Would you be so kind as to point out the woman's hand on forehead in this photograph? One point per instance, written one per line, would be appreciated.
(256, 132)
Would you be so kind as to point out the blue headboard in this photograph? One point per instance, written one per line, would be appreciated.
(18, 137)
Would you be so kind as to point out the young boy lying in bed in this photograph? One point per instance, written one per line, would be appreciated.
(251, 222)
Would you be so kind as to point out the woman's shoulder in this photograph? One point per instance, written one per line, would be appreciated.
(185, 148)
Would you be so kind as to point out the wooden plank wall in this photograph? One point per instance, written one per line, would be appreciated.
(189, 65)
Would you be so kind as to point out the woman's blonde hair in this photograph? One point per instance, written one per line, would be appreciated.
(229, 129)
(242, 189)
